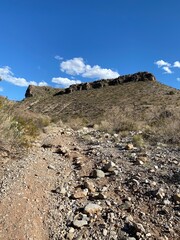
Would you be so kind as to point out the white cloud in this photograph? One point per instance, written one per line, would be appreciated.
(1, 89)
(161, 63)
(65, 82)
(167, 70)
(43, 83)
(98, 72)
(57, 57)
(176, 64)
(7, 75)
(178, 79)
(77, 66)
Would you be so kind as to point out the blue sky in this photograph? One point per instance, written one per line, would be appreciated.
(60, 42)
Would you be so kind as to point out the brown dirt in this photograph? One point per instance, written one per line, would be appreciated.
(24, 206)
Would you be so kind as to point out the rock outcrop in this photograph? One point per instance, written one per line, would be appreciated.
(140, 76)
(37, 90)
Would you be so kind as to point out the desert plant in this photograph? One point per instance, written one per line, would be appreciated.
(116, 121)
(138, 140)
(77, 122)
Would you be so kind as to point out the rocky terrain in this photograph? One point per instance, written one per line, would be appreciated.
(88, 184)
(97, 160)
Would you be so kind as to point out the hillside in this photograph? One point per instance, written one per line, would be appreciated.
(96, 161)
(127, 103)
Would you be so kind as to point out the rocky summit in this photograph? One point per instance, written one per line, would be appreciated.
(140, 76)
(114, 175)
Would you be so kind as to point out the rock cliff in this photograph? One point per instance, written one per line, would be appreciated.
(140, 76)
(39, 91)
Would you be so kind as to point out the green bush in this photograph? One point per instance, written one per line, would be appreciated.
(138, 140)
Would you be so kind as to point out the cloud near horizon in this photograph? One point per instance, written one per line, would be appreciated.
(77, 66)
(64, 82)
(176, 64)
(161, 63)
(167, 70)
(7, 75)
(166, 66)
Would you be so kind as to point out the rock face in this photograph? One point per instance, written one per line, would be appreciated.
(36, 91)
(140, 76)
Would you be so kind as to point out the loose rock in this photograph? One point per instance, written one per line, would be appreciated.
(92, 208)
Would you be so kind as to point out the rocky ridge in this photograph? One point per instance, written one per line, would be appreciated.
(140, 76)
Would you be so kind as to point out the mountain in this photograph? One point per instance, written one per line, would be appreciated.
(130, 102)
(96, 161)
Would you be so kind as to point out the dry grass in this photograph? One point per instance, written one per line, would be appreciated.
(19, 127)
(115, 121)
(165, 127)
(147, 106)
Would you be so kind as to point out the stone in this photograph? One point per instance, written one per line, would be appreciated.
(71, 230)
(98, 173)
(60, 190)
(129, 146)
(92, 208)
(153, 183)
(177, 197)
(139, 162)
(105, 232)
(110, 166)
(100, 196)
(51, 167)
(90, 186)
(79, 193)
(70, 234)
(80, 223)
(62, 151)
(166, 202)
(143, 159)
(160, 193)
(139, 227)
(80, 220)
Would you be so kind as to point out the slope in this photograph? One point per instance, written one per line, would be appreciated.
(130, 105)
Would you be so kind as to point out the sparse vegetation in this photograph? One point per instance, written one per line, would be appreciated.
(77, 123)
(138, 140)
(150, 107)
(19, 127)
(116, 121)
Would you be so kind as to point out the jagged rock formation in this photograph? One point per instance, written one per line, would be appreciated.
(140, 76)
(36, 91)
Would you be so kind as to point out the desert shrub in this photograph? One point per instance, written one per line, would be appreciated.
(20, 127)
(77, 122)
(138, 140)
(164, 127)
(116, 121)
(26, 127)
(171, 92)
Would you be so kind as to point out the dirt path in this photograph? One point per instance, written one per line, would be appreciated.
(44, 195)
(24, 206)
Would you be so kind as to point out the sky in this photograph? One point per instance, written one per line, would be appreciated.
(63, 42)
